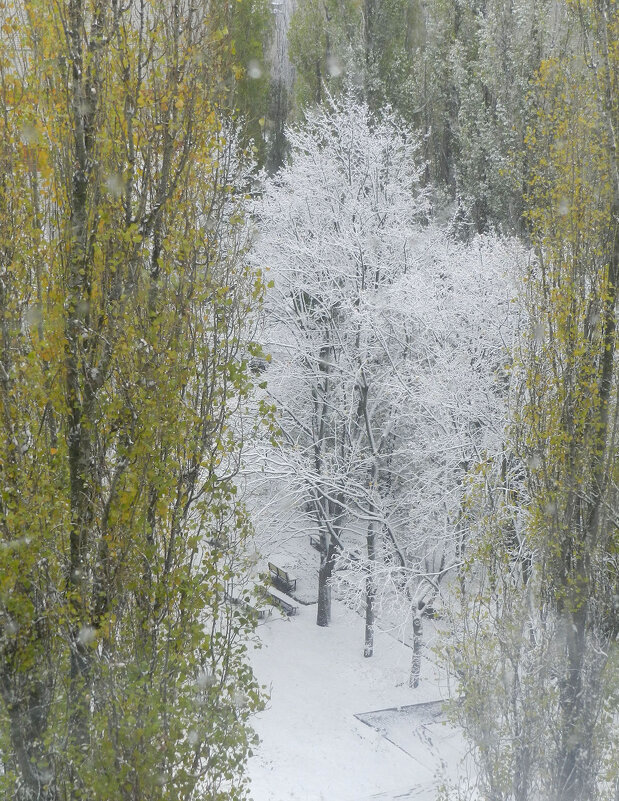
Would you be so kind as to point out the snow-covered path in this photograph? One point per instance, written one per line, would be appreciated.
(313, 747)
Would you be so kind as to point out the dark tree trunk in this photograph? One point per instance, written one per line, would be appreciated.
(27, 702)
(80, 390)
(579, 698)
(327, 560)
(278, 113)
(370, 592)
(415, 674)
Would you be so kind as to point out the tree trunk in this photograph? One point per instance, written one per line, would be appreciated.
(579, 698)
(281, 87)
(415, 674)
(323, 613)
(80, 393)
(370, 591)
(27, 704)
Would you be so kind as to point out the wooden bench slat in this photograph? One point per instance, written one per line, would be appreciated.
(288, 581)
(233, 599)
(278, 599)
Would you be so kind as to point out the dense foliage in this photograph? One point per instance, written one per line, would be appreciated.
(125, 319)
(445, 395)
(515, 105)
(546, 608)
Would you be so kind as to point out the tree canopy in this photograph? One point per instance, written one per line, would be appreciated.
(125, 317)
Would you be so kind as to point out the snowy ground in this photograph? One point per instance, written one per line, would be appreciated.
(313, 745)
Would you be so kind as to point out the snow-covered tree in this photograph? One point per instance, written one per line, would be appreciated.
(336, 230)
(386, 339)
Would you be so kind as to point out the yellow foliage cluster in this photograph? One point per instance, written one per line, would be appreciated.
(125, 313)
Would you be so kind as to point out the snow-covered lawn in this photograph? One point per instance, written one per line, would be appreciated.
(313, 747)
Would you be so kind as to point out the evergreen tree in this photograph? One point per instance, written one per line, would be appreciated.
(324, 40)
(250, 30)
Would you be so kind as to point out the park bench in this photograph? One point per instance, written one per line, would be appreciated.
(315, 542)
(282, 579)
(236, 601)
(276, 598)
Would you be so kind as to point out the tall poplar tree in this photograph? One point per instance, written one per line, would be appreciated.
(570, 422)
(125, 303)
(538, 658)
